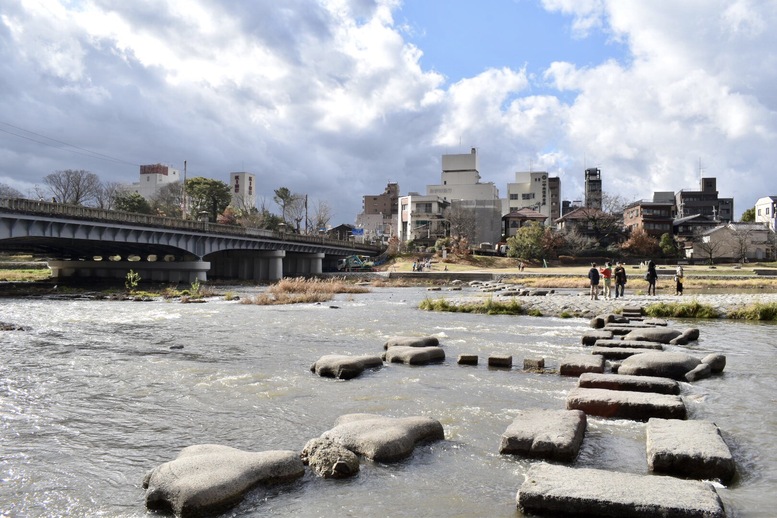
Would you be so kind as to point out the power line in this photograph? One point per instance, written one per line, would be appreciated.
(76, 149)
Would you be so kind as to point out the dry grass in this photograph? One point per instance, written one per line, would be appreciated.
(299, 290)
(40, 274)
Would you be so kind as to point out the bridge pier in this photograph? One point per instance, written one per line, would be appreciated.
(303, 264)
(256, 266)
(157, 271)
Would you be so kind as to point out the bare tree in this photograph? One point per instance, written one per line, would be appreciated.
(106, 194)
(74, 187)
(168, 200)
(613, 203)
(296, 208)
(709, 247)
(321, 213)
(6, 191)
(743, 238)
(462, 221)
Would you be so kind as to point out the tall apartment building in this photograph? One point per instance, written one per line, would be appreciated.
(593, 188)
(537, 191)
(705, 202)
(461, 187)
(153, 177)
(242, 186)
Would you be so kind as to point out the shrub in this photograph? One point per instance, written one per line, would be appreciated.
(488, 307)
(756, 311)
(690, 309)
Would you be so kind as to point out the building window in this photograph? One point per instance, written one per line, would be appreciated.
(513, 196)
(527, 196)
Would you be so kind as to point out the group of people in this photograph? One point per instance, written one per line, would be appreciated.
(618, 274)
(419, 266)
(609, 275)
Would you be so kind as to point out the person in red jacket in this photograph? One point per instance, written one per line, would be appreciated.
(607, 276)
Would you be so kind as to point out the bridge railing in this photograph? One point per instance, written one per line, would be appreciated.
(25, 206)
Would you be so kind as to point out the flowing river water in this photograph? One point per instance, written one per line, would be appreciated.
(92, 397)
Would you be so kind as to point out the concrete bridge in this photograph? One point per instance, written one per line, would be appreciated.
(85, 242)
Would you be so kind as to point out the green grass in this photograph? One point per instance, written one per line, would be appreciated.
(487, 307)
(690, 309)
(756, 311)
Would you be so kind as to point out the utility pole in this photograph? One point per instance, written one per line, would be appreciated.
(183, 193)
(306, 214)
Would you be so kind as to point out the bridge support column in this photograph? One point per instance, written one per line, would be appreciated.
(184, 271)
(274, 264)
(304, 264)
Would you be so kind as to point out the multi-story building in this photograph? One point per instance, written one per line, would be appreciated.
(518, 218)
(243, 189)
(460, 185)
(153, 177)
(421, 218)
(766, 211)
(537, 191)
(654, 217)
(705, 202)
(732, 242)
(593, 188)
(379, 213)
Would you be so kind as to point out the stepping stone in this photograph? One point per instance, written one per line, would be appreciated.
(688, 449)
(412, 341)
(414, 355)
(625, 404)
(553, 490)
(662, 364)
(383, 439)
(577, 364)
(590, 337)
(533, 364)
(344, 367)
(629, 383)
(638, 344)
(468, 359)
(208, 477)
(621, 330)
(500, 360)
(547, 434)
(615, 353)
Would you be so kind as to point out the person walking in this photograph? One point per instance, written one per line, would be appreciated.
(678, 279)
(607, 276)
(593, 277)
(651, 276)
(620, 279)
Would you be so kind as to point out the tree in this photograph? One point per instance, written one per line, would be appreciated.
(131, 202)
(106, 194)
(748, 216)
(6, 191)
(74, 187)
(640, 243)
(576, 243)
(552, 242)
(527, 242)
(297, 210)
(668, 244)
(613, 203)
(322, 214)
(709, 247)
(168, 200)
(743, 239)
(283, 198)
(461, 221)
(228, 217)
(207, 196)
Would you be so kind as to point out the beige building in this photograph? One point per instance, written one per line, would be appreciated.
(733, 242)
(537, 191)
(422, 219)
(153, 177)
(243, 188)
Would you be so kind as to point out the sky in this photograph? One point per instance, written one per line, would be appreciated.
(336, 98)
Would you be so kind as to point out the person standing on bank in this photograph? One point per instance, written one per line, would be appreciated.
(620, 279)
(678, 279)
(593, 277)
(607, 275)
(651, 276)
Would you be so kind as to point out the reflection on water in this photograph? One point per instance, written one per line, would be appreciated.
(92, 397)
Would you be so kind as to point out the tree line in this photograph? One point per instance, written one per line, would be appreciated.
(195, 198)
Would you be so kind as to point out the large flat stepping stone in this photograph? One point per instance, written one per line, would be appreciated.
(636, 344)
(412, 341)
(414, 355)
(665, 335)
(625, 404)
(619, 330)
(615, 353)
(547, 434)
(590, 337)
(554, 490)
(630, 383)
(577, 364)
(691, 449)
(661, 364)
(344, 367)
(209, 477)
(383, 439)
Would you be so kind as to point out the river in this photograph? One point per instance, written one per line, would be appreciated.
(92, 397)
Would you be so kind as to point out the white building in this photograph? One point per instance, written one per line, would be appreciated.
(460, 184)
(531, 190)
(421, 218)
(153, 177)
(766, 211)
(243, 189)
